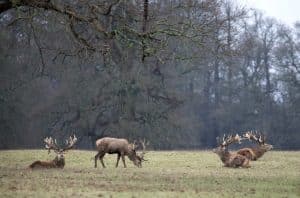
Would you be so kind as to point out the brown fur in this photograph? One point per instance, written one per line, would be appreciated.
(55, 163)
(116, 146)
(231, 159)
(59, 160)
(255, 152)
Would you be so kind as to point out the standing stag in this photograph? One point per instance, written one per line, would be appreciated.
(59, 160)
(230, 159)
(258, 151)
(120, 147)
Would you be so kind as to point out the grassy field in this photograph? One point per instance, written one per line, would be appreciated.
(165, 174)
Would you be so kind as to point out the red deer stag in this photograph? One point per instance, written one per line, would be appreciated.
(120, 147)
(59, 160)
(230, 159)
(258, 151)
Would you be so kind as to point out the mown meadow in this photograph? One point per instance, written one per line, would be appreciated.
(164, 174)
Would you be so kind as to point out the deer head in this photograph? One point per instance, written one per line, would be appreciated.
(230, 159)
(225, 142)
(59, 160)
(51, 144)
(140, 157)
(259, 138)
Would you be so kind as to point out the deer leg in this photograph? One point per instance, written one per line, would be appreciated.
(246, 163)
(123, 159)
(96, 158)
(101, 160)
(118, 159)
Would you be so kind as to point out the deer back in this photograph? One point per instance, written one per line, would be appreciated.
(261, 149)
(256, 152)
(230, 159)
(113, 145)
(59, 160)
(55, 163)
(249, 153)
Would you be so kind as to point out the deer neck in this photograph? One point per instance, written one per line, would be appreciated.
(131, 156)
(224, 156)
(59, 162)
(260, 150)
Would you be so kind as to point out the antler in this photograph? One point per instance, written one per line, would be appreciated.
(143, 143)
(227, 140)
(134, 146)
(70, 142)
(51, 144)
(257, 137)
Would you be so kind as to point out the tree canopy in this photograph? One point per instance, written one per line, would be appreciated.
(177, 73)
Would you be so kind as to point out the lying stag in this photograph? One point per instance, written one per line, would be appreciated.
(258, 151)
(59, 160)
(231, 159)
(120, 147)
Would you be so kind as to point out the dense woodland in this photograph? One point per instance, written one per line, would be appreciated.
(178, 73)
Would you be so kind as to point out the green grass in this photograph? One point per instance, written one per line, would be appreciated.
(165, 174)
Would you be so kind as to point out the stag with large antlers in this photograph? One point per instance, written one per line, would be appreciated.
(121, 147)
(59, 160)
(255, 152)
(231, 159)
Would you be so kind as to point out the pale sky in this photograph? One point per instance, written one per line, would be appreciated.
(287, 11)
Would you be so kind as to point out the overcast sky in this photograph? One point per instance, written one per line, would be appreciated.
(287, 11)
